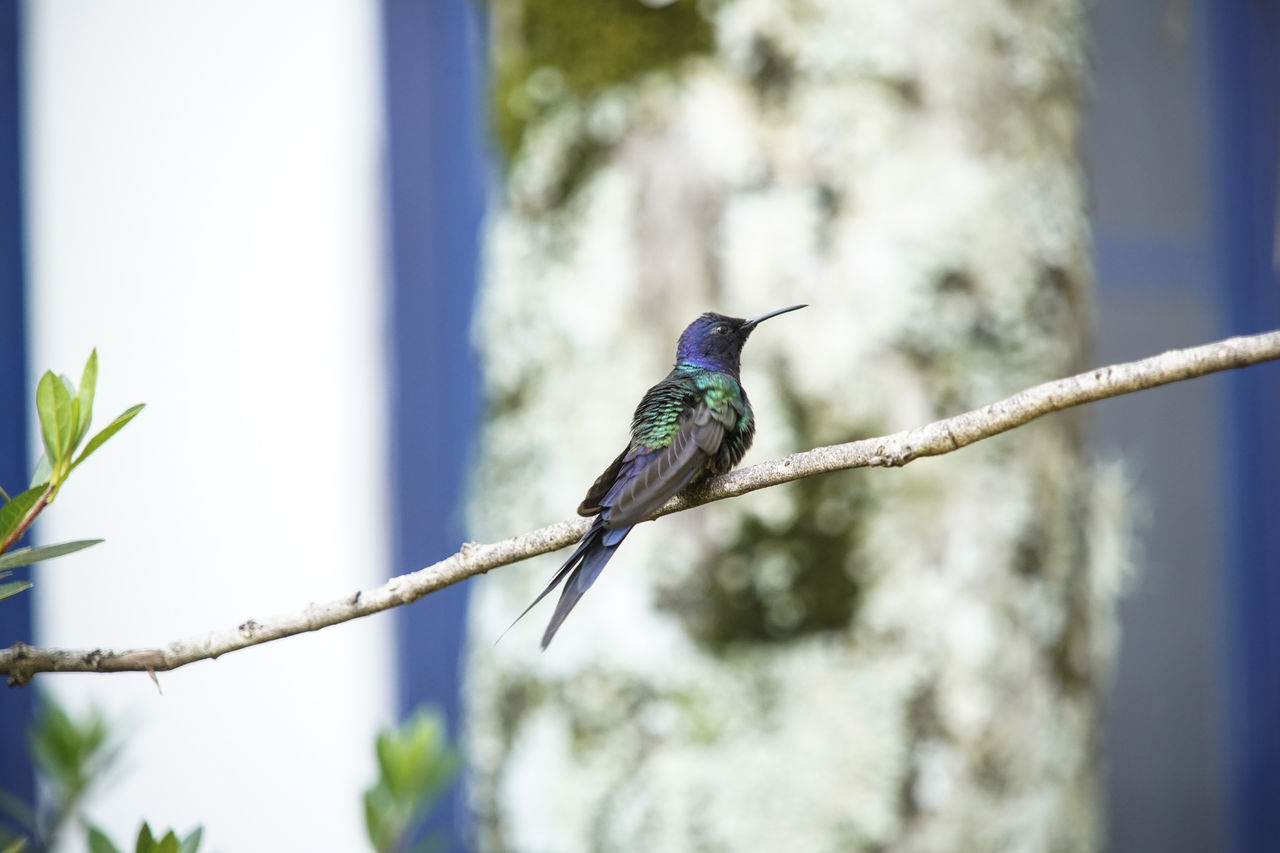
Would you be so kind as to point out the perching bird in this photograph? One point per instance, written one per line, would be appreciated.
(694, 424)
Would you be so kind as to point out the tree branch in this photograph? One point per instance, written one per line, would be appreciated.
(21, 662)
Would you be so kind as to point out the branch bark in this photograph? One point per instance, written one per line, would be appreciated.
(22, 662)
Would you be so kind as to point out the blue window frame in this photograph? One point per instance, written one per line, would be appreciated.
(431, 55)
(15, 613)
(1246, 89)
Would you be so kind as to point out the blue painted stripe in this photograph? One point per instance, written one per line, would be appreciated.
(431, 56)
(1246, 86)
(1151, 263)
(15, 613)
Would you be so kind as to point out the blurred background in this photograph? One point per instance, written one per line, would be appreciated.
(267, 217)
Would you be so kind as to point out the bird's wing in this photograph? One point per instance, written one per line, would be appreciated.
(591, 504)
(656, 475)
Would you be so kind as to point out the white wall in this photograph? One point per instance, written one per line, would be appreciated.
(204, 207)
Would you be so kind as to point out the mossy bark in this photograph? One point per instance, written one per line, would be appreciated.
(869, 660)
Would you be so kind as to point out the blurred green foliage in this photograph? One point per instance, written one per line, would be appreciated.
(147, 842)
(71, 756)
(415, 765)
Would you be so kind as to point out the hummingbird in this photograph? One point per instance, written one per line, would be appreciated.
(692, 425)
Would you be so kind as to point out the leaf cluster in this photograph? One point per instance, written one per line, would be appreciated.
(415, 765)
(71, 756)
(65, 414)
(147, 842)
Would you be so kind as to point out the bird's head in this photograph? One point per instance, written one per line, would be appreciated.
(714, 341)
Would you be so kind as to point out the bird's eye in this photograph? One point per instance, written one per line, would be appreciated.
(722, 329)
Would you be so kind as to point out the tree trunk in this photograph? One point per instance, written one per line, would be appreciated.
(873, 660)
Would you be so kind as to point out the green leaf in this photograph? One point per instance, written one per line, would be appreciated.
(88, 385)
(12, 588)
(12, 513)
(108, 431)
(18, 812)
(53, 404)
(75, 421)
(5, 495)
(68, 432)
(415, 763)
(17, 847)
(145, 842)
(43, 472)
(168, 844)
(414, 757)
(71, 753)
(378, 822)
(100, 843)
(191, 844)
(27, 556)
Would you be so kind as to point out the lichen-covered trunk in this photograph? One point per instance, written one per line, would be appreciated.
(871, 660)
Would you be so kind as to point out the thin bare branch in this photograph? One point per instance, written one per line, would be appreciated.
(21, 662)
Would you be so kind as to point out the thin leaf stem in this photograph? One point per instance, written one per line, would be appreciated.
(28, 519)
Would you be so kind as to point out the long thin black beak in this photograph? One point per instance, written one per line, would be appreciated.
(751, 324)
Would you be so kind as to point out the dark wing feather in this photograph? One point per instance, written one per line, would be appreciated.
(670, 469)
(591, 503)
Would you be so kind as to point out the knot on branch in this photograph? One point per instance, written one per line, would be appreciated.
(21, 671)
